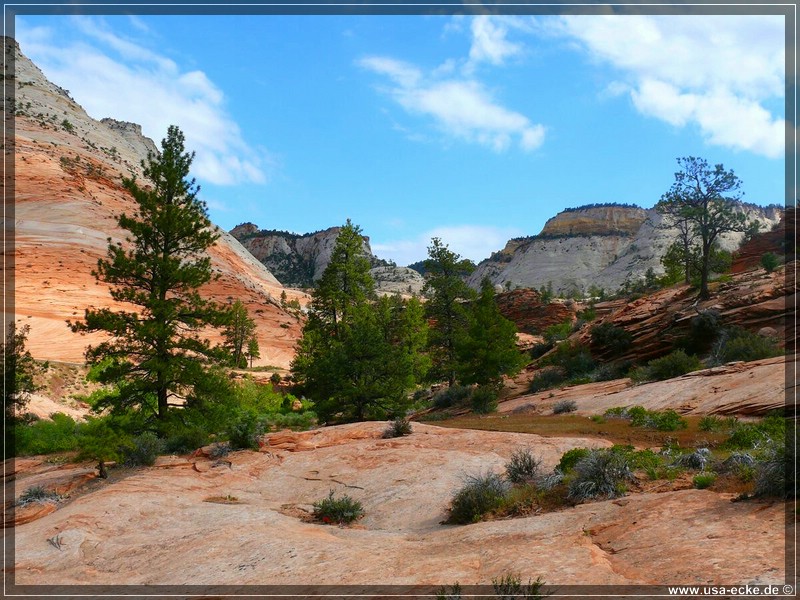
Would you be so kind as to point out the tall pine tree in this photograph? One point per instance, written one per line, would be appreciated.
(155, 353)
(359, 355)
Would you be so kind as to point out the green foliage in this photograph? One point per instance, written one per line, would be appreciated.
(667, 420)
(674, 364)
(570, 458)
(398, 428)
(736, 343)
(558, 332)
(769, 261)
(143, 450)
(156, 352)
(700, 199)
(696, 459)
(341, 511)
(45, 436)
(454, 395)
(479, 495)
(715, 423)
(359, 355)
(239, 330)
(245, 430)
(487, 350)
(523, 467)
(253, 351)
(19, 370)
(446, 293)
(546, 379)
(775, 473)
(703, 480)
(546, 293)
(573, 357)
(510, 587)
(747, 436)
(612, 338)
(484, 399)
(602, 473)
(104, 439)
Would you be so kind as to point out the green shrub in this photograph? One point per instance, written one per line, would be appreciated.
(715, 423)
(546, 379)
(565, 406)
(184, 439)
(479, 495)
(558, 332)
(338, 510)
(602, 473)
(747, 436)
(510, 587)
(45, 436)
(667, 420)
(703, 480)
(143, 450)
(539, 350)
(484, 399)
(736, 343)
(295, 420)
(570, 458)
(398, 428)
(573, 357)
(674, 364)
(523, 466)
(704, 329)
(775, 473)
(244, 431)
(611, 338)
(644, 459)
(452, 592)
(455, 395)
(769, 261)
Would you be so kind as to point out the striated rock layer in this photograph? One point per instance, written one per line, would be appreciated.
(67, 190)
(246, 521)
(602, 246)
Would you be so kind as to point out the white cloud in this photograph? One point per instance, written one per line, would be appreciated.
(475, 242)
(461, 108)
(114, 77)
(489, 41)
(714, 72)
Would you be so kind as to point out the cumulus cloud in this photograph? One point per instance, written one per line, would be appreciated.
(715, 72)
(490, 41)
(475, 242)
(461, 108)
(111, 76)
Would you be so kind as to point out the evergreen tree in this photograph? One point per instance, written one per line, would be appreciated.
(488, 350)
(447, 293)
(359, 354)
(155, 353)
(702, 198)
(239, 329)
(19, 369)
(253, 351)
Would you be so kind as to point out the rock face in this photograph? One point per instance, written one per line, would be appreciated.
(300, 260)
(775, 241)
(246, 521)
(67, 190)
(599, 246)
(525, 308)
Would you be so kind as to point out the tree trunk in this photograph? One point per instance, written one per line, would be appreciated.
(704, 272)
(162, 402)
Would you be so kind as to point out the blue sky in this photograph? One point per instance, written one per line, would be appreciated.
(472, 129)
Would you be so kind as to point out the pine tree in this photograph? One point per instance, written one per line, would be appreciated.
(253, 350)
(19, 369)
(488, 349)
(155, 353)
(447, 293)
(239, 329)
(359, 354)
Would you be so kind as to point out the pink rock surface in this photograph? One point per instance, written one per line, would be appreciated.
(158, 527)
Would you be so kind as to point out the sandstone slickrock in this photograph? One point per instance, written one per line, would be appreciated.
(597, 245)
(131, 531)
(525, 308)
(67, 191)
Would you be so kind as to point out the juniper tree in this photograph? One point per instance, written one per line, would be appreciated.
(155, 352)
(702, 199)
(238, 331)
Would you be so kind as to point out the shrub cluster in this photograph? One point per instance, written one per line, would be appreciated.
(612, 338)
(341, 511)
(565, 406)
(523, 466)
(601, 473)
(399, 427)
(479, 495)
(735, 344)
(667, 420)
(674, 364)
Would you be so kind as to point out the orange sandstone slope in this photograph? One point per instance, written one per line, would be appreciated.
(67, 191)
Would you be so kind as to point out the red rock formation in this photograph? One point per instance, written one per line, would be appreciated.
(750, 253)
(525, 308)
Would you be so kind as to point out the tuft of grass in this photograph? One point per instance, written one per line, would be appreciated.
(37, 493)
(565, 406)
(480, 495)
(510, 587)
(399, 427)
(703, 480)
(452, 592)
(341, 511)
(523, 466)
(602, 473)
